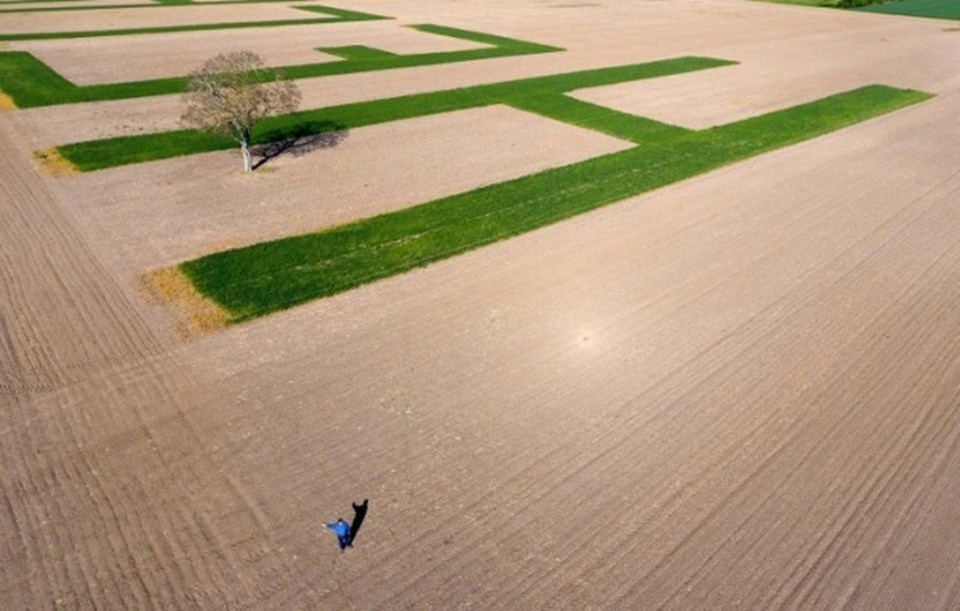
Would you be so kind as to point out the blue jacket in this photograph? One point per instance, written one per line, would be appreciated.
(341, 528)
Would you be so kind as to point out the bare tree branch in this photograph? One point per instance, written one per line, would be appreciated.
(231, 92)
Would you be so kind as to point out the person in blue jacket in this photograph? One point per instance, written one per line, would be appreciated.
(342, 530)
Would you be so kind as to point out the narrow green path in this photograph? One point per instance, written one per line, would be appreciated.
(6, 2)
(31, 83)
(598, 118)
(334, 15)
(103, 7)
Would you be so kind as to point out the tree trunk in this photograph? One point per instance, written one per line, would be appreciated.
(245, 150)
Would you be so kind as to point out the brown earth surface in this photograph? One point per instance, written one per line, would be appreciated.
(112, 59)
(15, 6)
(739, 391)
(163, 16)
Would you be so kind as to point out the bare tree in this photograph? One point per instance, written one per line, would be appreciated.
(231, 92)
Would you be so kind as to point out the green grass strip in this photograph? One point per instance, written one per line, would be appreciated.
(542, 91)
(598, 118)
(5, 2)
(263, 278)
(938, 9)
(336, 16)
(173, 2)
(31, 83)
(153, 3)
(53, 9)
(359, 53)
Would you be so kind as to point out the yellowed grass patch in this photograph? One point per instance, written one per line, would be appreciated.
(196, 315)
(53, 163)
(6, 102)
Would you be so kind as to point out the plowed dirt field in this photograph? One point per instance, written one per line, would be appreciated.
(741, 391)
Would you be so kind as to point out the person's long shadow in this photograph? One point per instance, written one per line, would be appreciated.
(359, 513)
(299, 141)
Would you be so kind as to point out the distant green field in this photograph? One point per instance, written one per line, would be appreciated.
(940, 9)
(263, 278)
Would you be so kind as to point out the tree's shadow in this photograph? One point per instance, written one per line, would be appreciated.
(299, 141)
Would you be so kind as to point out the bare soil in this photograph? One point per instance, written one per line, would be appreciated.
(126, 18)
(112, 59)
(72, 4)
(739, 391)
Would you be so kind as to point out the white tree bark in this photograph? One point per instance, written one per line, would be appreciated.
(247, 160)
